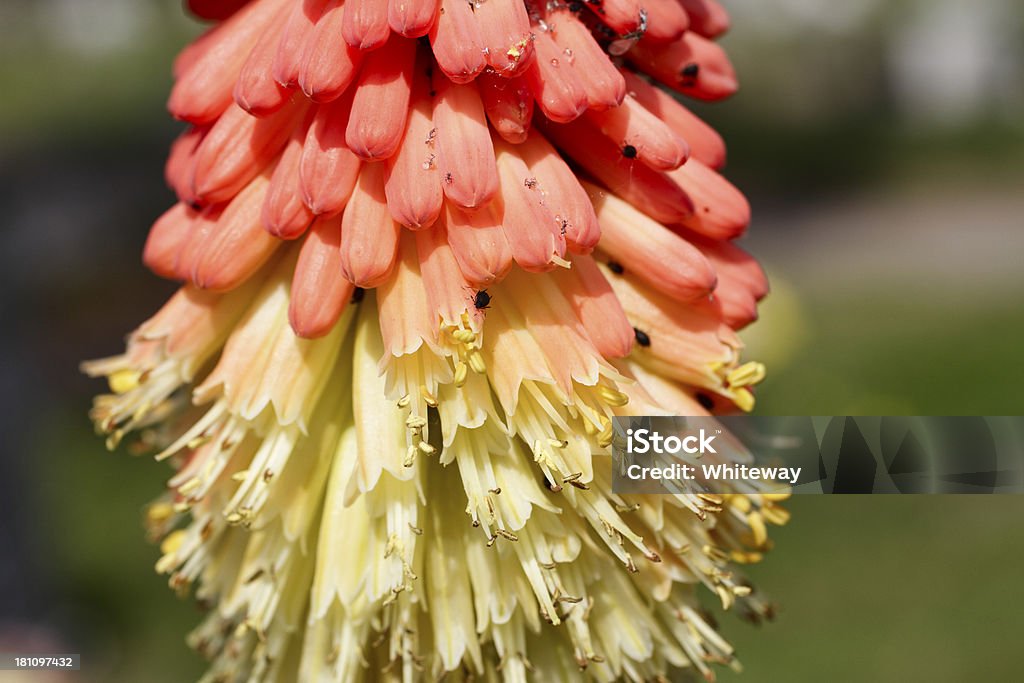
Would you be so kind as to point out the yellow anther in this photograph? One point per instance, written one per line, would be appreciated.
(746, 374)
(189, 486)
(173, 542)
(416, 422)
(741, 557)
(404, 401)
(197, 442)
(775, 515)
(428, 397)
(476, 362)
(141, 411)
(743, 399)
(741, 503)
(726, 596)
(427, 448)
(123, 381)
(607, 435)
(461, 373)
(757, 528)
(410, 456)
(711, 499)
(240, 475)
(158, 513)
(612, 397)
(114, 440)
(741, 591)
(775, 497)
(714, 553)
(464, 336)
(508, 535)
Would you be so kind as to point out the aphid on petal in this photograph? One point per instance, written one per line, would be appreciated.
(656, 144)
(688, 344)
(706, 145)
(694, 66)
(369, 235)
(481, 300)
(652, 191)
(319, 291)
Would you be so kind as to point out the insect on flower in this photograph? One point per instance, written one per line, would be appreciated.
(481, 300)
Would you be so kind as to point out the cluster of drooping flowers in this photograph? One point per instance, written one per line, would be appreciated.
(429, 249)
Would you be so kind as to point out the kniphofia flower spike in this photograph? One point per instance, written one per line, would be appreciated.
(429, 248)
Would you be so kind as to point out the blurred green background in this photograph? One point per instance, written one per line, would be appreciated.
(882, 145)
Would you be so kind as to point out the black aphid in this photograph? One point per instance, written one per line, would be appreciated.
(482, 300)
(641, 338)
